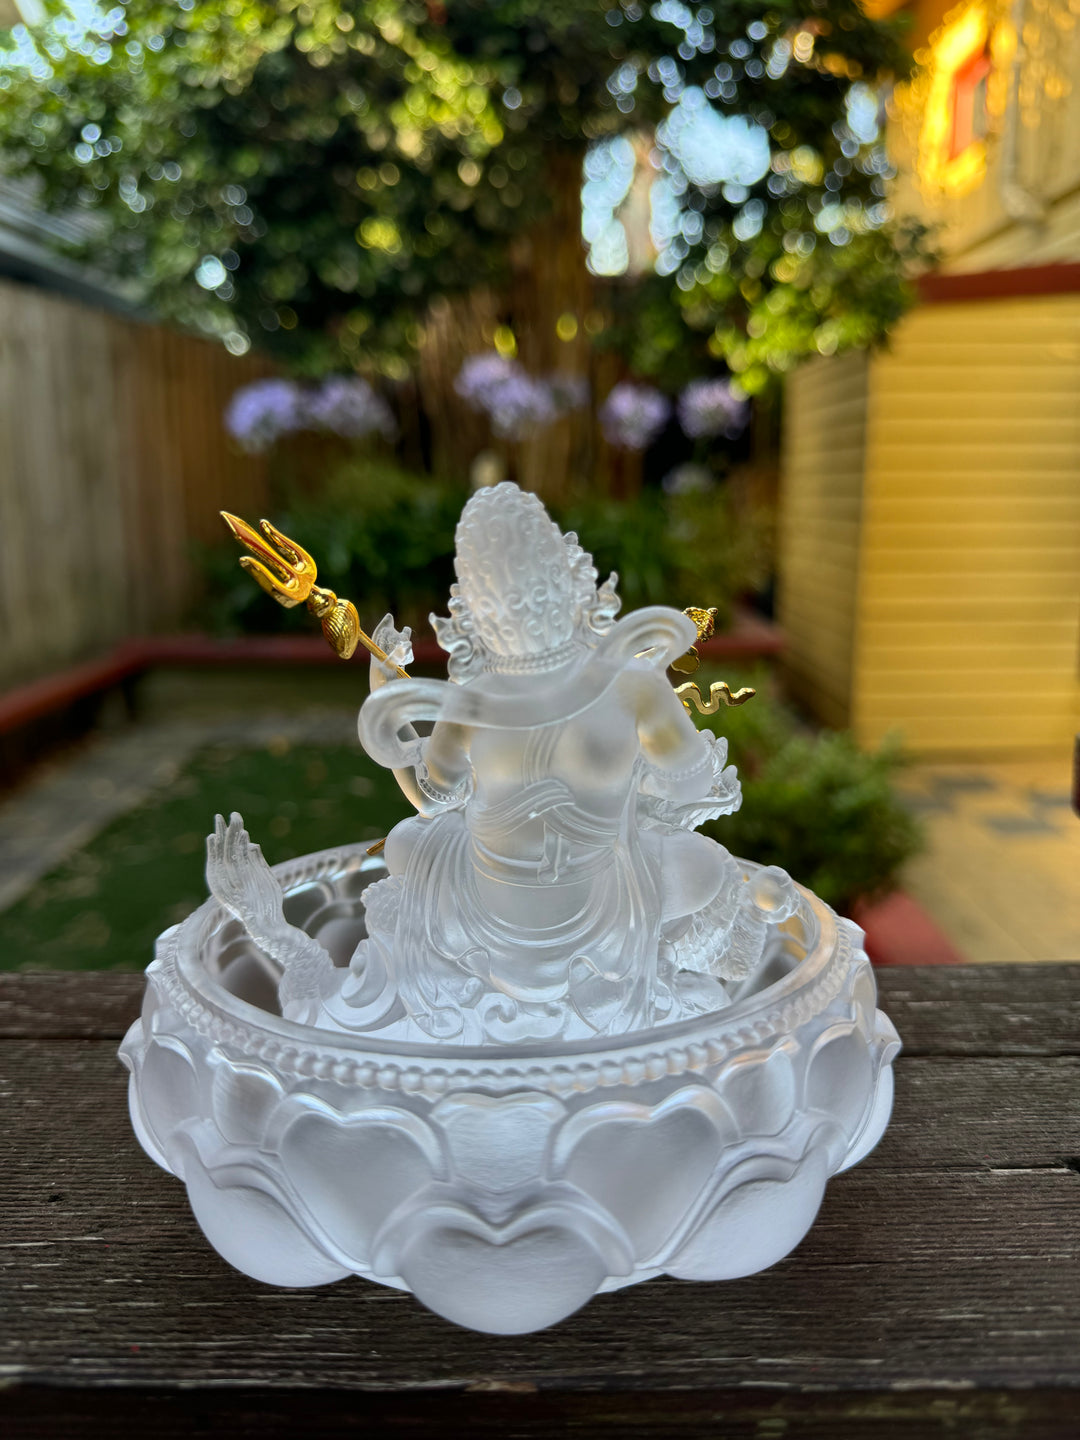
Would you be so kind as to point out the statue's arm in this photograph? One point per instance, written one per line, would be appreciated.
(446, 755)
(676, 753)
(445, 752)
(398, 647)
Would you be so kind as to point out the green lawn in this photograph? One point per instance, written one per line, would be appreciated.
(813, 803)
(102, 908)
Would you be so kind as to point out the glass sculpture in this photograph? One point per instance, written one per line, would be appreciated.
(549, 1040)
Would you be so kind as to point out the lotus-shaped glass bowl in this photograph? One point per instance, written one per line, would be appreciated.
(503, 1186)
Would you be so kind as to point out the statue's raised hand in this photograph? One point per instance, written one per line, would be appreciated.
(240, 879)
(398, 647)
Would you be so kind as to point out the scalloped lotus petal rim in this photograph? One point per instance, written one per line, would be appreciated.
(506, 1188)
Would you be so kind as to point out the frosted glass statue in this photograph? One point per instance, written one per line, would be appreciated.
(553, 1041)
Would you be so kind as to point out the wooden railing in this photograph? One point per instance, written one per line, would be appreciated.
(934, 1296)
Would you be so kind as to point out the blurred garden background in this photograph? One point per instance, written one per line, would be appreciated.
(776, 304)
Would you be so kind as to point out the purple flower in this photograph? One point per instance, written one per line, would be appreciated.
(260, 413)
(481, 374)
(633, 415)
(712, 407)
(519, 404)
(688, 479)
(512, 400)
(347, 406)
(569, 392)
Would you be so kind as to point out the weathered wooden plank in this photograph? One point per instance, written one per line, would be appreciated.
(59, 1005)
(947, 1258)
(984, 1009)
(525, 1412)
(935, 1295)
(905, 1281)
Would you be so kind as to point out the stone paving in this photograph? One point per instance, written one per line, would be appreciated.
(1001, 875)
(65, 803)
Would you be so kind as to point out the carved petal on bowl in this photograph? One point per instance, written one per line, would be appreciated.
(839, 1078)
(863, 990)
(498, 1144)
(876, 1121)
(170, 1093)
(509, 1279)
(249, 1228)
(243, 1098)
(607, 1150)
(759, 1088)
(886, 1038)
(765, 1207)
(131, 1055)
(354, 1171)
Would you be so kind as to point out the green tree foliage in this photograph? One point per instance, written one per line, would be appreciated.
(308, 174)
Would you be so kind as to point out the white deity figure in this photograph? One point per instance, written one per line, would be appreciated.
(554, 1042)
(550, 885)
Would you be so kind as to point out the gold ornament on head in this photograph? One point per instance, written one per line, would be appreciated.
(287, 572)
(705, 620)
(720, 691)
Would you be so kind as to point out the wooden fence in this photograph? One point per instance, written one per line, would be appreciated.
(113, 460)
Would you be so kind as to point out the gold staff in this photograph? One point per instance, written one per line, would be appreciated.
(287, 572)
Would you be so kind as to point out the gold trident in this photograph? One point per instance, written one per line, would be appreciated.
(719, 690)
(288, 573)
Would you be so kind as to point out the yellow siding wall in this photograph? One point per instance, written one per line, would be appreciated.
(823, 464)
(968, 634)
(930, 525)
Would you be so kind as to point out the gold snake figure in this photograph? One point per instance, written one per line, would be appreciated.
(720, 690)
(719, 694)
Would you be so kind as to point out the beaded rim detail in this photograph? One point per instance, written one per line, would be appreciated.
(692, 1045)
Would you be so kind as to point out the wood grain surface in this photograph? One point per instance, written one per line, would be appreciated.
(937, 1293)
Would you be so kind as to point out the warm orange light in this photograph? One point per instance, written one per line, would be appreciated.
(964, 62)
(880, 9)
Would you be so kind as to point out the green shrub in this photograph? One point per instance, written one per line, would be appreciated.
(673, 549)
(813, 803)
(383, 537)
